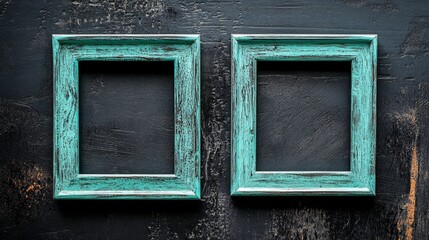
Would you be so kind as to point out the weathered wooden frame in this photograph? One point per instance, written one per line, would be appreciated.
(361, 50)
(184, 50)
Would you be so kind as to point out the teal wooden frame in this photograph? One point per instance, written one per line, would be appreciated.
(361, 50)
(184, 50)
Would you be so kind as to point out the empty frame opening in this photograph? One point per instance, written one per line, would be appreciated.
(126, 117)
(303, 116)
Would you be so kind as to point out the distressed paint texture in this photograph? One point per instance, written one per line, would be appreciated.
(68, 50)
(26, 122)
(123, 134)
(303, 116)
(247, 50)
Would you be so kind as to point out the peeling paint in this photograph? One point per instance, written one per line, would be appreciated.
(215, 225)
(416, 43)
(125, 15)
(160, 229)
(4, 5)
(41, 29)
(26, 122)
(405, 224)
(29, 190)
(411, 206)
(376, 6)
(302, 223)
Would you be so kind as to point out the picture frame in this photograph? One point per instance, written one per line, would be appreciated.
(184, 50)
(247, 50)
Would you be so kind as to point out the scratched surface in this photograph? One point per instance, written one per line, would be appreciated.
(130, 133)
(399, 211)
(303, 118)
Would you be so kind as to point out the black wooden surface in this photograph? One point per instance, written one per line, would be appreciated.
(399, 211)
(303, 116)
(126, 116)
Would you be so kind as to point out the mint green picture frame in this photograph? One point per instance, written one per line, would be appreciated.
(184, 50)
(361, 51)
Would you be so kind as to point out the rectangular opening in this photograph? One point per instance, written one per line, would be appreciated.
(303, 116)
(126, 112)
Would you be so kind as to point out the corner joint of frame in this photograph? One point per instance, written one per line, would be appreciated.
(57, 39)
(235, 187)
(235, 39)
(197, 38)
(197, 195)
(374, 37)
(58, 194)
(194, 39)
(371, 192)
(367, 184)
(234, 36)
(235, 192)
(193, 43)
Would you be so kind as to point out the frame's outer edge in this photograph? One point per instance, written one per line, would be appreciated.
(66, 117)
(374, 55)
(362, 184)
(198, 116)
(234, 181)
(194, 178)
(190, 184)
(346, 37)
(374, 97)
(260, 192)
(192, 37)
(129, 38)
(55, 52)
(238, 171)
(128, 195)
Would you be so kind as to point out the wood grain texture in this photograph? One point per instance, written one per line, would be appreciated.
(28, 211)
(303, 116)
(361, 50)
(126, 117)
(68, 50)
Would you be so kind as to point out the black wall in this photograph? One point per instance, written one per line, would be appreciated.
(399, 211)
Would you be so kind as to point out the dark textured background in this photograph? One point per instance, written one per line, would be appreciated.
(126, 116)
(303, 116)
(399, 211)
